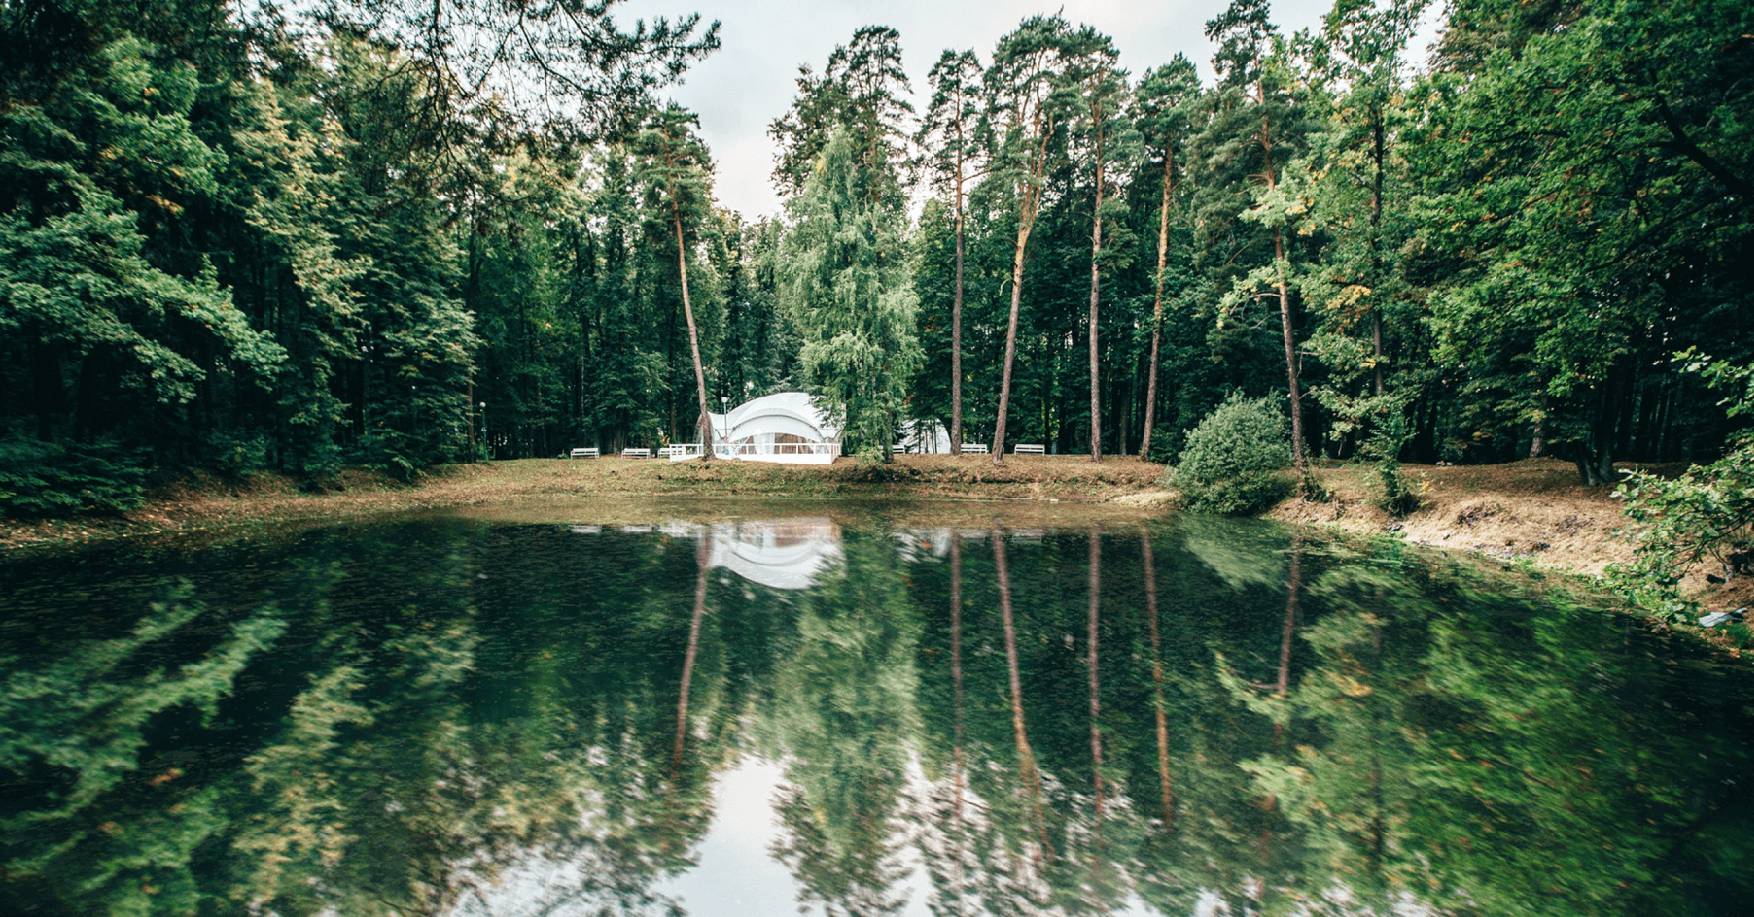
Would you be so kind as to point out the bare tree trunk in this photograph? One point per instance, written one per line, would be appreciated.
(1296, 398)
(1010, 343)
(1027, 203)
(1157, 299)
(1096, 296)
(1290, 338)
(956, 308)
(1379, 152)
(1164, 785)
(706, 420)
(700, 561)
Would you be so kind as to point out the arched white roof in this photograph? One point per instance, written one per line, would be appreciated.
(795, 413)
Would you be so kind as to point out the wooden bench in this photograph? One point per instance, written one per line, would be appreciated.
(898, 449)
(586, 453)
(974, 449)
(636, 453)
(1029, 449)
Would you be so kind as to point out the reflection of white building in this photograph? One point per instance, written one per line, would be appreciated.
(785, 554)
(778, 553)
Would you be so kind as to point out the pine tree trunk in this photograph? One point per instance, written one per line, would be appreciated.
(1010, 342)
(956, 664)
(1026, 767)
(1095, 299)
(1157, 301)
(956, 313)
(1380, 153)
(1027, 203)
(1092, 662)
(706, 420)
(1290, 339)
(1165, 786)
(1296, 398)
(688, 656)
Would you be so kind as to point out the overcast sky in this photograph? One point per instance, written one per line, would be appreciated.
(747, 83)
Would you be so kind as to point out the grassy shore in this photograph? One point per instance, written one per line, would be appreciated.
(1530, 512)
(268, 500)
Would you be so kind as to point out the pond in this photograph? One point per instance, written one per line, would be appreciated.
(848, 710)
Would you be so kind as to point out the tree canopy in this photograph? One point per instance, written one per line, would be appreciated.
(400, 234)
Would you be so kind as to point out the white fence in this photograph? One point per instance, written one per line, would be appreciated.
(811, 453)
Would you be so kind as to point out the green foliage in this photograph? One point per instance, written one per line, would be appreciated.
(1166, 444)
(1385, 443)
(1234, 460)
(1553, 291)
(401, 234)
(845, 286)
(862, 91)
(41, 480)
(319, 237)
(1705, 514)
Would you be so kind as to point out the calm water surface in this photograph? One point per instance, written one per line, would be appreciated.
(851, 714)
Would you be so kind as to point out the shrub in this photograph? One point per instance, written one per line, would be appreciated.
(1703, 517)
(1385, 443)
(41, 480)
(1233, 461)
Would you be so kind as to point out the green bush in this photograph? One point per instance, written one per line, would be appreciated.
(1233, 462)
(1385, 442)
(40, 480)
(1702, 518)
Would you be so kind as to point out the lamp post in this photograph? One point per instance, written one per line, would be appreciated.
(725, 418)
(485, 442)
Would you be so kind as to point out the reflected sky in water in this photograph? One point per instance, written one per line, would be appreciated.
(848, 711)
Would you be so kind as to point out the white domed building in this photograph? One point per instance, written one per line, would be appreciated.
(785, 428)
(789, 428)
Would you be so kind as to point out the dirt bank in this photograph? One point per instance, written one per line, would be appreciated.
(1533, 511)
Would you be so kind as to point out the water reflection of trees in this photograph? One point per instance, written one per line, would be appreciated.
(842, 718)
(507, 720)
